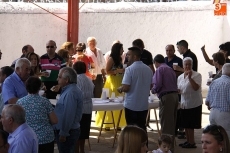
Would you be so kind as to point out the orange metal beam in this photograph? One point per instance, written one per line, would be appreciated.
(73, 21)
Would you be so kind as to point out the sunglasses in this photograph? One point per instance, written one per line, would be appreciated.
(79, 50)
(50, 46)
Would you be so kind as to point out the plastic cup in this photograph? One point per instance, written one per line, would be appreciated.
(41, 92)
(210, 73)
(58, 96)
(49, 71)
(103, 97)
(106, 91)
(113, 95)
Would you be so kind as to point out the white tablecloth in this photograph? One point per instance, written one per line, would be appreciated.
(112, 105)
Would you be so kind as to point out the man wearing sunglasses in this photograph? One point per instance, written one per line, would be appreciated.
(51, 63)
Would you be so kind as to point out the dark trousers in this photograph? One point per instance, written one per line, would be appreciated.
(98, 82)
(137, 118)
(50, 94)
(46, 148)
(69, 145)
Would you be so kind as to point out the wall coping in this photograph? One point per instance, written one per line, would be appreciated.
(120, 7)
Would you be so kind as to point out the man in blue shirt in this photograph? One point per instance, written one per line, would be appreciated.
(136, 85)
(218, 99)
(22, 138)
(14, 86)
(68, 110)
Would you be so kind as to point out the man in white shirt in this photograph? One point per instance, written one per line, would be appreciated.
(99, 61)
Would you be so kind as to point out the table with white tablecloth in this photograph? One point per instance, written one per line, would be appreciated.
(111, 105)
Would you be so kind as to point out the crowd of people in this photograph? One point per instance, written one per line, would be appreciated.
(75, 75)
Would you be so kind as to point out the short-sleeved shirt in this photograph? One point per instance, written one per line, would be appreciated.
(159, 151)
(146, 57)
(218, 94)
(23, 140)
(138, 76)
(190, 98)
(175, 59)
(13, 87)
(87, 60)
(54, 64)
(98, 60)
(86, 86)
(37, 116)
(190, 54)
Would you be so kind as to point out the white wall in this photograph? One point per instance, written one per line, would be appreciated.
(158, 24)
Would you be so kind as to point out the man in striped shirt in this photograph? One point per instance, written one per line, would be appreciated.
(53, 63)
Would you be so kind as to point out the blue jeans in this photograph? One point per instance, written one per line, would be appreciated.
(69, 145)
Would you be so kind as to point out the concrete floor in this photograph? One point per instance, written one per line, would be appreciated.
(105, 144)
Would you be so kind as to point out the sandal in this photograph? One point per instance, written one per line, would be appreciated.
(182, 144)
(188, 145)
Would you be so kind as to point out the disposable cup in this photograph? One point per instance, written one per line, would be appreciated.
(49, 71)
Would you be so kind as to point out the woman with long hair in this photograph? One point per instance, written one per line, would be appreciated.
(132, 140)
(35, 66)
(114, 71)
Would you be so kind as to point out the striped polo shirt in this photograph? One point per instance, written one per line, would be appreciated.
(54, 64)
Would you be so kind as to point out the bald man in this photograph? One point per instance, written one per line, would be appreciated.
(52, 62)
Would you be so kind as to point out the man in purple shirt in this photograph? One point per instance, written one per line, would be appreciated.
(165, 85)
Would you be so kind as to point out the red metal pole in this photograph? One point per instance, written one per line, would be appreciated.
(73, 21)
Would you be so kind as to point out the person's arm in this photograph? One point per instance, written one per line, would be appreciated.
(180, 63)
(178, 68)
(123, 88)
(109, 66)
(207, 59)
(193, 83)
(157, 81)
(53, 118)
(69, 110)
(126, 82)
(12, 100)
(103, 66)
(150, 62)
(8, 92)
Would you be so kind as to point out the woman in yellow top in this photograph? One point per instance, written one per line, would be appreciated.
(114, 71)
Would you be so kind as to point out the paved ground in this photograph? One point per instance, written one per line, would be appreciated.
(105, 144)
